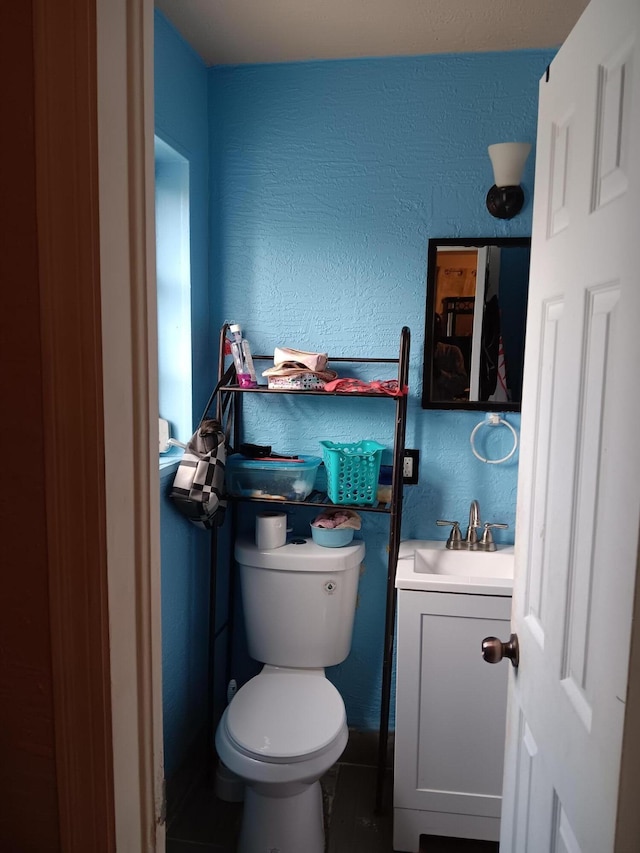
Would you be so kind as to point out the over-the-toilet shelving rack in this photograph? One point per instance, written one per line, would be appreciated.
(316, 498)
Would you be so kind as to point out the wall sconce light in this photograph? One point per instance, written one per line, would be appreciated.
(505, 198)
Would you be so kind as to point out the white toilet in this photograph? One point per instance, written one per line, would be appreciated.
(287, 726)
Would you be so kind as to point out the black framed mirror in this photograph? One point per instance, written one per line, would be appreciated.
(476, 310)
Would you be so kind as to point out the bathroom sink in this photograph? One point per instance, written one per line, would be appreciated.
(427, 564)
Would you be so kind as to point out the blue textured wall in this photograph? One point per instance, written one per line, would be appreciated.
(181, 121)
(328, 180)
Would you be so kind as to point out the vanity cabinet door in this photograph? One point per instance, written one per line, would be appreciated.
(450, 717)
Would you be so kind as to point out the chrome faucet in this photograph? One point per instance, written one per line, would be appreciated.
(455, 542)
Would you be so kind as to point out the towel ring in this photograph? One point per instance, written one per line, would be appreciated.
(493, 420)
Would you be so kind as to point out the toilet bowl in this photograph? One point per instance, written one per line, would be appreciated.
(281, 753)
(287, 726)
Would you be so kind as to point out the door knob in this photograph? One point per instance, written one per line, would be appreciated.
(493, 650)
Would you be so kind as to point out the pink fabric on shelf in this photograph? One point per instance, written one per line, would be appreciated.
(342, 518)
(334, 521)
(350, 385)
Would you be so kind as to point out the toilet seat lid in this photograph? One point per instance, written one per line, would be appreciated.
(284, 716)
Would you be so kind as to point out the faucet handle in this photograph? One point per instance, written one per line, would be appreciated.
(454, 542)
(487, 543)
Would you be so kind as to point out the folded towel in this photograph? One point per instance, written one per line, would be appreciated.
(297, 362)
(313, 360)
(292, 368)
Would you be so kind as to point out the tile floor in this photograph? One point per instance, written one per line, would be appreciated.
(208, 825)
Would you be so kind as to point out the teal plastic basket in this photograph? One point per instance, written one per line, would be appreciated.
(352, 471)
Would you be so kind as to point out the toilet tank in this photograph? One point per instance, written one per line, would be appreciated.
(299, 601)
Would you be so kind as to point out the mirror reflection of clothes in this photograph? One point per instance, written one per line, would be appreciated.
(490, 348)
(450, 378)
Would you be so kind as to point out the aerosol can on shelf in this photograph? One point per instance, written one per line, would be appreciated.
(242, 360)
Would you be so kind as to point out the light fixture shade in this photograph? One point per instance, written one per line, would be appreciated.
(508, 159)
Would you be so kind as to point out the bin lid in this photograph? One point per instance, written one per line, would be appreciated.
(238, 461)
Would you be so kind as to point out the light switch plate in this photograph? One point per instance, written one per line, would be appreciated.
(410, 462)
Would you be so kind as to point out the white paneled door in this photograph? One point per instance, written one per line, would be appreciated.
(579, 485)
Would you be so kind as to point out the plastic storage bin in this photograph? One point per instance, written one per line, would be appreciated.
(332, 537)
(283, 480)
(352, 471)
(385, 481)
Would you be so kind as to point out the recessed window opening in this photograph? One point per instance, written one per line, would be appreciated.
(173, 275)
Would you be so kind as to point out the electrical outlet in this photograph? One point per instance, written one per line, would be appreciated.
(410, 467)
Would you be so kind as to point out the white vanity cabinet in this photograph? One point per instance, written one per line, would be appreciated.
(450, 716)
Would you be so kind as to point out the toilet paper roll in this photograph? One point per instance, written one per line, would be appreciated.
(271, 530)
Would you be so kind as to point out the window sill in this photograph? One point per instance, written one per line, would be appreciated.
(168, 463)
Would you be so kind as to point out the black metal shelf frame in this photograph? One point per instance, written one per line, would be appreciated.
(393, 509)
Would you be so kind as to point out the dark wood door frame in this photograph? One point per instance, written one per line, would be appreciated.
(69, 252)
(54, 528)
